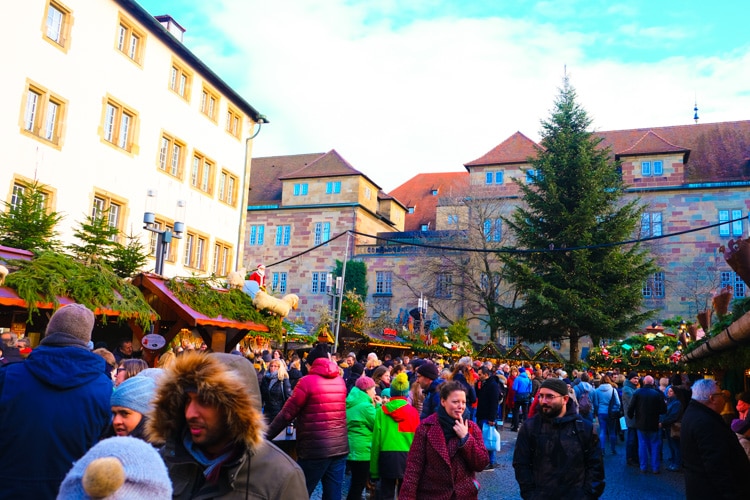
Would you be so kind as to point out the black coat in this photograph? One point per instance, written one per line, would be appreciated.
(645, 407)
(274, 393)
(488, 397)
(715, 464)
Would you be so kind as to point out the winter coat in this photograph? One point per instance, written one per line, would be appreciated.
(715, 465)
(257, 470)
(441, 470)
(558, 458)
(488, 395)
(294, 375)
(392, 436)
(360, 419)
(319, 405)
(510, 397)
(274, 393)
(431, 399)
(673, 414)
(628, 389)
(522, 387)
(601, 397)
(54, 406)
(646, 406)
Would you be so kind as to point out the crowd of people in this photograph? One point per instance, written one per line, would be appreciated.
(202, 424)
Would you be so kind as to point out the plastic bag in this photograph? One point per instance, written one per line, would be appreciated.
(491, 436)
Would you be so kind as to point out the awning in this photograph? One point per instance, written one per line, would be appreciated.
(158, 286)
(9, 297)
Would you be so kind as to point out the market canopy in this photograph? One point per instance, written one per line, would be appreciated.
(520, 352)
(490, 350)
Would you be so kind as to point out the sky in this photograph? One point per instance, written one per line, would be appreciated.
(400, 88)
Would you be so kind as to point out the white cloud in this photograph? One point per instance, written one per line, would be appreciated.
(434, 94)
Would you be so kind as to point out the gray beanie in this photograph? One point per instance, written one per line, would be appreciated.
(118, 468)
(135, 393)
(74, 319)
(555, 384)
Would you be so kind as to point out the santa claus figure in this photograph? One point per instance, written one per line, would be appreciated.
(256, 281)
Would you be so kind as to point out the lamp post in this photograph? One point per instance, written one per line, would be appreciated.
(164, 236)
(422, 306)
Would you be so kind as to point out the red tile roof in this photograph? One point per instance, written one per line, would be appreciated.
(515, 149)
(417, 193)
(651, 143)
(266, 173)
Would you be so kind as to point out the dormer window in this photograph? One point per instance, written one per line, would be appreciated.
(493, 177)
(425, 227)
(649, 168)
(410, 210)
(434, 192)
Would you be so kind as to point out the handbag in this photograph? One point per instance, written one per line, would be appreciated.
(491, 437)
(612, 415)
(674, 430)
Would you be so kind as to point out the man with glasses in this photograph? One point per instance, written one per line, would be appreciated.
(557, 454)
(714, 462)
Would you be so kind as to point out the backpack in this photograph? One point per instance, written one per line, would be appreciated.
(584, 403)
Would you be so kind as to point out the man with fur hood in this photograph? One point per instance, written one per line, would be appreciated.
(318, 403)
(206, 415)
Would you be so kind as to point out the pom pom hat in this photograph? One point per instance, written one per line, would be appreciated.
(400, 385)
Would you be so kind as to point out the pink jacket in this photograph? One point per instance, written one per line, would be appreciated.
(443, 471)
(318, 402)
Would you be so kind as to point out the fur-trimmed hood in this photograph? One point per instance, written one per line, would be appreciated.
(217, 383)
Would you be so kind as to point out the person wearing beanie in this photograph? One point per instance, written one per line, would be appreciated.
(131, 402)
(392, 436)
(557, 453)
(63, 387)
(118, 468)
(355, 372)
(360, 418)
(429, 380)
(206, 419)
(631, 436)
(318, 403)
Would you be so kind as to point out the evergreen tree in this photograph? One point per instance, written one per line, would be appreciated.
(129, 259)
(28, 224)
(356, 276)
(98, 238)
(575, 199)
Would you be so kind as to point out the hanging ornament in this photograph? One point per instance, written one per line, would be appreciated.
(627, 347)
(649, 348)
(635, 354)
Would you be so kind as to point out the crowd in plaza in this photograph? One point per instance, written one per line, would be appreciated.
(89, 423)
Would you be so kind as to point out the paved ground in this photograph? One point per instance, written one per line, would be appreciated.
(622, 482)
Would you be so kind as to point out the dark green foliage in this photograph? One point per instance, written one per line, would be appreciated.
(128, 259)
(356, 276)
(98, 238)
(51, 275)
(28, 225)
(575, 200)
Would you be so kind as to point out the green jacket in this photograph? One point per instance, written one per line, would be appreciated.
(360, 418)
(395, 424)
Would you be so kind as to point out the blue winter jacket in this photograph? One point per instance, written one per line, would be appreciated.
(54, 406)
(522, 386)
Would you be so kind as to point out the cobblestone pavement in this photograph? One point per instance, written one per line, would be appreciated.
(622, 482)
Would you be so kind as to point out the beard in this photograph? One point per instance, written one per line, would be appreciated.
(551, 410)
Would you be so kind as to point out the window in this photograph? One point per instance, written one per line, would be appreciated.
(425, 227)
(333, 187)
(222, 259)
(730, 279)
(651, 224)
(300, 189)
(322, 232)
(493, 229)
(735, 226)
(658, 167)
(162, 225)
(319, 283)
(256, 235)
(654, 287)
(493, 177)
(234, 122)
(383, 282)
(179, 80)
(283, 234)
(410, 210)
(202, 173)
(452, 219)
(368, 193)
(444, 286)
(119, 125)
(556, 345)
(512, 340)
(43, 114)
(130, 40)
(111, 209)
(20, 189)
(645, 168)
(195, 251)
(210, 103)
(278, 282)
(652, 168)
(434, 192)
(57, 23)
(227, 191)
(530, 176)
(484, 283)
(170, 155)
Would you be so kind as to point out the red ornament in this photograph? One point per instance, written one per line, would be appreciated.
(649, 347)
(605, 352)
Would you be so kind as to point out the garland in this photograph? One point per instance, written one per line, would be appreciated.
(651, 350)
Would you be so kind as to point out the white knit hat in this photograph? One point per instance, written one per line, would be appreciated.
(118, 468)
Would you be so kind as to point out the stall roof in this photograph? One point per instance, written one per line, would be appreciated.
(158, 286)
(9, 297)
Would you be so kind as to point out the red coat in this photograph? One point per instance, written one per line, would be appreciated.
(443, 471)
(318, 402)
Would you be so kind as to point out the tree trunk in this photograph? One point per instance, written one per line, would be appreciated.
(575, 351)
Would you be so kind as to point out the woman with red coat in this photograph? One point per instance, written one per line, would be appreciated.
(446, 453)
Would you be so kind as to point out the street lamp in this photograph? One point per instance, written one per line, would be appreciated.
(422, 306)
(164, 236)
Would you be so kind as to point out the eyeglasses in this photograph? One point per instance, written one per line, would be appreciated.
(121, 369)
(718, 394)
(546, 397)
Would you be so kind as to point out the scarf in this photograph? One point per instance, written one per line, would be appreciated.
(446, 423)
(212, 466)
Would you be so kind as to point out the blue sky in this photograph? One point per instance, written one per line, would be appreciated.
(403, 87)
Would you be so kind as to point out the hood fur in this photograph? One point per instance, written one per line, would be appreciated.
(217, 384)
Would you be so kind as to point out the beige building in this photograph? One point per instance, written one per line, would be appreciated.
(106, 107)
